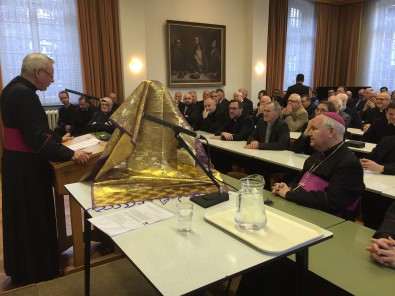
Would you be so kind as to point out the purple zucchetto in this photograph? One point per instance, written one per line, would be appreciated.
(335, 116)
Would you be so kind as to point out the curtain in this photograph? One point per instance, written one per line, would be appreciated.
(100, 47)
(337, 44)
(351, 19)
(326, 46)
(276, 44)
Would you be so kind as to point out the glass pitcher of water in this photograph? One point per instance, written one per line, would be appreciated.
(250, 207)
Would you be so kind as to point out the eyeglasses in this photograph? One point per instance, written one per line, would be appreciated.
(268, 111)
(49, 74)
(292, 101)
(233, 108)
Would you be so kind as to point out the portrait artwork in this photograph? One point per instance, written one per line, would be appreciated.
(196, 54)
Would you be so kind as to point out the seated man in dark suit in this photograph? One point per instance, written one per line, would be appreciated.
(223, 103)
(237, 127)
(373, 113)
(66, 113)
(382, 157)
(191, 112)
(258, 113)
(308, 106)
(271, 133)
(213, 118)
(381, 127)
(81, 118)
(355, 121)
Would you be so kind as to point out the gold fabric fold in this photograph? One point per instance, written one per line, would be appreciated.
(141, 160)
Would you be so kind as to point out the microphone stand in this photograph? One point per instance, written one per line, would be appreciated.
(206, 200)
(89, 97)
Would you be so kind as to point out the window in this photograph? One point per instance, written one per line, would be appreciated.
(46, 26)
(378, 38)
(299, 57)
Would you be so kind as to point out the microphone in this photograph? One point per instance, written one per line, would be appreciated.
(176, 128)
(82, 94)
(206, 200)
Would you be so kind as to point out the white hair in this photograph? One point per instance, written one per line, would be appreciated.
(35, 61)
(329, 122)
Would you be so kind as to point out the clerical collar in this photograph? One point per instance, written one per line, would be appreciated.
(329, 151)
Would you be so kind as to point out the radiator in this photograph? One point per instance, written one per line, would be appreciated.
(52, 116)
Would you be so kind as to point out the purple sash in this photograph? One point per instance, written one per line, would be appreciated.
(311, 182)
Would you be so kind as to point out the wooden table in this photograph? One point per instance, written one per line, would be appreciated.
(70, 172)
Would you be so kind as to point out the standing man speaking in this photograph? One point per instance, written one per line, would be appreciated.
(29, 223)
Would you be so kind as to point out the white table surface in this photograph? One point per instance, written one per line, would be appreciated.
(367, 149)
(355, 131)
(283, 158)
(376, 183)
(180, 263)
(389, 193)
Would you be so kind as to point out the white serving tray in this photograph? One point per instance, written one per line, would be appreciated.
(282, 232)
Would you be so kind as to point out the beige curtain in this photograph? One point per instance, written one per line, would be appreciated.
(326, 44)
(351, 16)
(276, 44)
(337, 44)
(100, 47)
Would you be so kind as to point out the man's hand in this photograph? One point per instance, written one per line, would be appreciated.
(81, 157)
(252, 145)
(227, 136)
(368, 164)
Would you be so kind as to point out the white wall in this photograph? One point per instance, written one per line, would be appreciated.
(143, 34)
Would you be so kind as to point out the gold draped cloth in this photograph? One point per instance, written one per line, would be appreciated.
(141, 160)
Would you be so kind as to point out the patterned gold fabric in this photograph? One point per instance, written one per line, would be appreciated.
(141, 160)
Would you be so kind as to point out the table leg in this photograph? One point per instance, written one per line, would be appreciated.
(76, 226)
(302, 265)
(87, 250)
(61, 222)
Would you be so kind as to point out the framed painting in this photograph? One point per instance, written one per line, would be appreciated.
(195, 54)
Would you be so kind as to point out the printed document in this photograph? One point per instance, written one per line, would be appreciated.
(122, 221)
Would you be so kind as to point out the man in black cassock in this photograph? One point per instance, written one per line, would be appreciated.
(29, 224)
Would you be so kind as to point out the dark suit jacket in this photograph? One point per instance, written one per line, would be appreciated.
(241, 128)
(387, 228)
(224, 106)
(66, 115)
(81, 118)
(279, 137)
(378, 130)
(384, 154)
(193, 115)
(297, 88)
(356, 121)
(214, 121)
(370, 115)
(247, 106)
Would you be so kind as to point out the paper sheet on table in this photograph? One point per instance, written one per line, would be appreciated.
(122, 221)
(84, 144)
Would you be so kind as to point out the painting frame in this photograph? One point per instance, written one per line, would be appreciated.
(196, 54)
